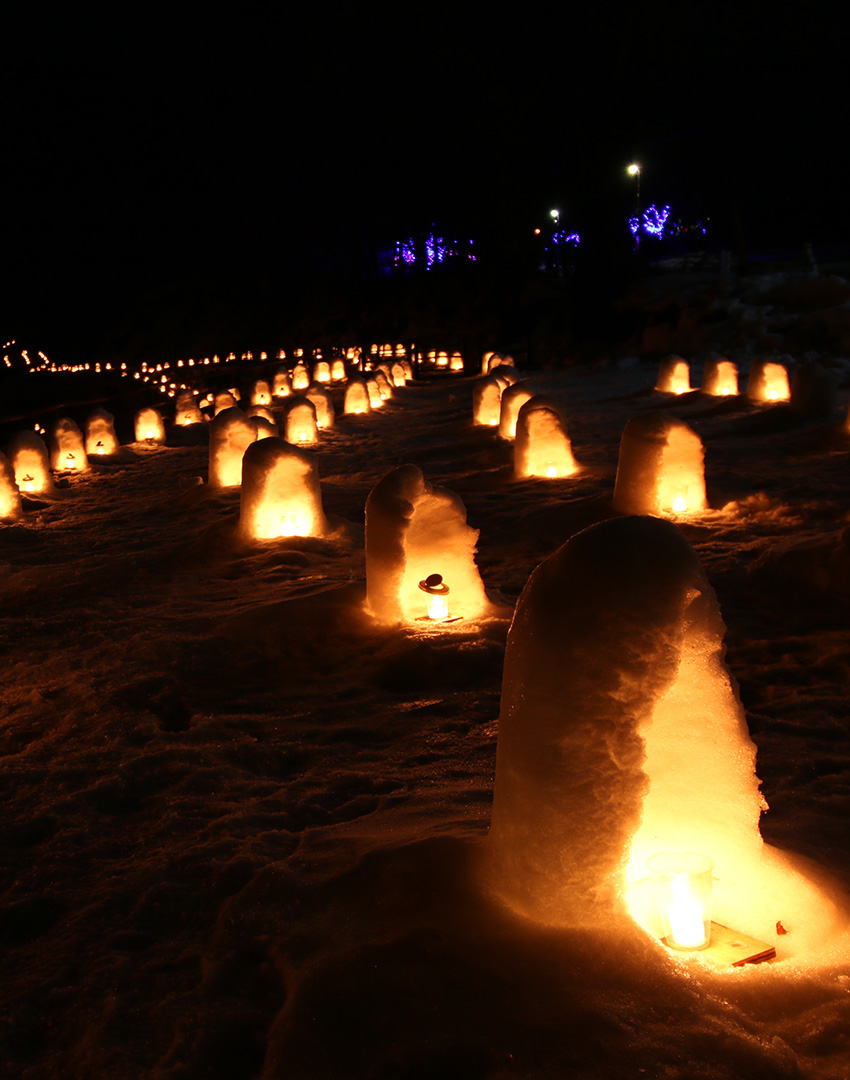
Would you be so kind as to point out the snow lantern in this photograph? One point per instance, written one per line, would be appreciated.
(281, 386)
(300, 378)
(506, 375)
(324, 406)
(376, 398)
(485, 361)
(720, 377)
(187, 410)
(674, 376)
(767, 382)
(408, 369)
(356, 397)
(100, 434)
(385, 387)
(31, 463)
(322, 372)
(499, 359)
(542, 447)
(622, 738)
(149, 426)
(661, 468)
(397, 375)
(69, 451)
(415, 532)
(456, 362)
(442, 359)
(224, 400)
(513, 398)
(301, 427)
(338, 372)
(281, 493)
(10, 496)
(486, 400)
(261, 393)
(231, 433)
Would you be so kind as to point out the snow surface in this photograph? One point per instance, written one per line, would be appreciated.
(244, 823)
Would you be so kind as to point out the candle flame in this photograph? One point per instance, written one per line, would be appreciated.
(687, 925)
(679, 504)
(438, 608)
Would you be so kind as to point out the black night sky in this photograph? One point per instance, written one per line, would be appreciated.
(275, 155)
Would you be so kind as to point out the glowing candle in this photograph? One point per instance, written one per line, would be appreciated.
(551, 470)
(682, 885)
(438, 591)
(438, 607)
(679, 504)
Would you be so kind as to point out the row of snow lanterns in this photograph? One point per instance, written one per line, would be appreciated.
(767, 382)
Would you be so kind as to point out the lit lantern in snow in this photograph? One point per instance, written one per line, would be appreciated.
(281, 387)
(231, 433)
(300, 378)
(322, 372)
(11, 508)
(323, 403)
(376, 399)
(187, 410)
(408, 370)
(513, 398)
(301, 428)
(356, 398)
(385, 388)
(661, 467)
(485, 361)
(69, 451)
(31, 463)
(437, 591)
(720, 377)
(149, 426)
(681, 884)
(338, 372)
(767, 382)
(413, 527)
(261, 393)
(542, 446)
(223, 400)
(100, 434)
(506, 375)
(281, 492)
(674, 376)
(497, 359)
(486, 401)
(622, 737)
(442, 359)
(456, 362)
(397, 375)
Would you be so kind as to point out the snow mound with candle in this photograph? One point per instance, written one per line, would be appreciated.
(621, 736)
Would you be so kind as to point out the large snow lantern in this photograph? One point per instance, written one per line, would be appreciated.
(661, 468)
(11, 508)
(486, 400)
(149, 426)
(338, 372)
(720, 377)
(300, 378)
(414, 531)
(323, 403)
(542, 446)
(301, 427)
(101, 440)
(674, 376)
(261, 393)
(321, 372)
(622, 737)
(397, 375)
(356, 399)
(187, 411)
(767, 382)
(513, 399)
(69, 449)
(231, 433)
(282, 386)
(281, 492)
(224, 400)
(31, 463)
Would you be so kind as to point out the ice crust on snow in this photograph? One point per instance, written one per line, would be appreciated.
(661, 459)
(415, 529)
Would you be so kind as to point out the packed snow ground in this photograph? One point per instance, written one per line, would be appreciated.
(241, 823)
